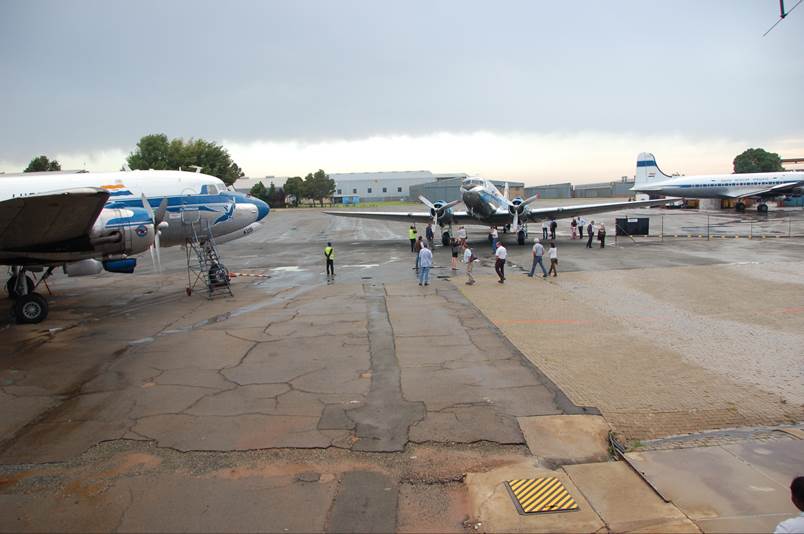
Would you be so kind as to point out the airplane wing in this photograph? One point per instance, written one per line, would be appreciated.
(561, 212)
(768, 191)
(420, 216)
(37, 221)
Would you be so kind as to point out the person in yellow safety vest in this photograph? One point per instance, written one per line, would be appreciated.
(412, 237)
(329, 253)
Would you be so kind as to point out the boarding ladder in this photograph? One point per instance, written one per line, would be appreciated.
(204, 267)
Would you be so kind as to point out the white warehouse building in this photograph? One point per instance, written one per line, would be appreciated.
(393, 185)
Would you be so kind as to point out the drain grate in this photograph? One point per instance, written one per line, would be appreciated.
(540, 495)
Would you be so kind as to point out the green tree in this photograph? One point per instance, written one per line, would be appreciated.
(295, 186)
(757, 160)
(260, 192)
(319, 186)
(42, 164)
(155, 151)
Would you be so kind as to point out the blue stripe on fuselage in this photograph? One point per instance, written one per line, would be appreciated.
(646, 163)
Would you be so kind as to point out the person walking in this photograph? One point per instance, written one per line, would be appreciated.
(425, 263)
(553, 226)
(462, 235)
(428, 233)
(590, 230)
(499, 264)
(412, 237)
(538, 253)
(495, 237)
(329, 254)
(601, 235)
(455, 245)
(574, 228)
(416, 249)
(469, 258)
(553, 252)
(544, 229)
(581, 224)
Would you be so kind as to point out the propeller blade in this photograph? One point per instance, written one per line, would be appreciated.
(426, 202)
(156, 247)
(148, 208)
(161, 211)
(505, 192)
(516, 221)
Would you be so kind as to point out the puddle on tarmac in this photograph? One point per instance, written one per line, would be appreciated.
(289, 269)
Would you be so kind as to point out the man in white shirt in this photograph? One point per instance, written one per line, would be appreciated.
(581, 224)
(794, 524)
(495, 239)
(462, 235)
(425, 263)
(544, 229)
(469, 259)
(553, 252)
(537, 253)
(499, 264)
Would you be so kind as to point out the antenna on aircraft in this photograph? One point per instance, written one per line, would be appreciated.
(782, 15)
(196, 167)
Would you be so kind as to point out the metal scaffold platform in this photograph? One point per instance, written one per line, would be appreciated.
(204, 267)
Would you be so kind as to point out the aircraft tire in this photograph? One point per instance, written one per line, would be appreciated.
(740, 207)
(445, 239)
(762, 208)
(11, 287)
(30, 309)
(520, 237)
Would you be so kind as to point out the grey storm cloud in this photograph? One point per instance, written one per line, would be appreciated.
(89, 75)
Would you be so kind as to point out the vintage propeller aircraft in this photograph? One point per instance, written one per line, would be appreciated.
(90, 222)
(486, 206)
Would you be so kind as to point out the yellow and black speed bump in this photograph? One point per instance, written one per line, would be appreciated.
(540, 495)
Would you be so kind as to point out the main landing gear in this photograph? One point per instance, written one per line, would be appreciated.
(740, 207)
(29, 307)
(762, 208)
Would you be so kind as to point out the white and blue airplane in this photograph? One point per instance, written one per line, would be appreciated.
(90, 222)
(486, 206)
(760, 185)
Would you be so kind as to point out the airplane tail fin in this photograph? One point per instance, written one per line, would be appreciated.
(647, 171)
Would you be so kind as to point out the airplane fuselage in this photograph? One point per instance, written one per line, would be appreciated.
(722, 186)
(192, 200)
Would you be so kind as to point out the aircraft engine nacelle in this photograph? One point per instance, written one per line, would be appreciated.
(444, 215)
(125, 231)
(517, 206)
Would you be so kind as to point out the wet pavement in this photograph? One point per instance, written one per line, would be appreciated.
(302, 404)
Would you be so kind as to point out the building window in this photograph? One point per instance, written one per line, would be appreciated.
(354, 191)
(339, 191)
(369, 190)
(384, 189)
(398, 189)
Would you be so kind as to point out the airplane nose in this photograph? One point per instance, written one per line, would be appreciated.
(262, 208)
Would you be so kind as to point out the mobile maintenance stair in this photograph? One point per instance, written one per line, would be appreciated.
(204, 267)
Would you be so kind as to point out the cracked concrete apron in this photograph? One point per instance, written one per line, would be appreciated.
(382, 423)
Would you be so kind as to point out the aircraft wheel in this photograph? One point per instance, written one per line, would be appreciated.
(520, 237)
(762, 208)
(445, 238)
(740, 206)
(30, 309)
(11, 286)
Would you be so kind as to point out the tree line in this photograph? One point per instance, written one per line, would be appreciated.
(315, 186)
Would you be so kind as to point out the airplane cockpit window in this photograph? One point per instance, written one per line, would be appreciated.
(212, 189)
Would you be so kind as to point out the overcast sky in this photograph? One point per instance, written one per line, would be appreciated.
(533, 90)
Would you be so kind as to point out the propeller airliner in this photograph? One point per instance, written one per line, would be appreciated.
(90, 222)
(486, 206)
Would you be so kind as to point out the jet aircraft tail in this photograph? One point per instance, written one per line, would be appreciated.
(647, 171)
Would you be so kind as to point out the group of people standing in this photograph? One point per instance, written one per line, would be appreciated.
(422, 247)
